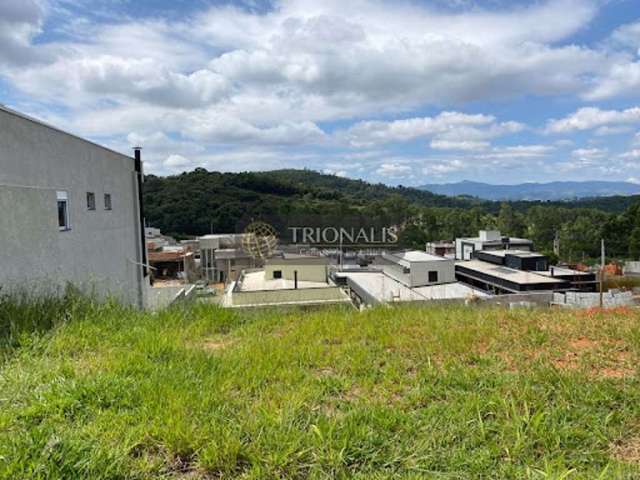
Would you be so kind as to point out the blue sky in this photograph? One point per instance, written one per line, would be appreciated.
(400, 92)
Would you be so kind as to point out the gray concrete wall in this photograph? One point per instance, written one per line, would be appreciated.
(102, 248)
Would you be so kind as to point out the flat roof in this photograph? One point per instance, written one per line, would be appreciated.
(564, 271)
(213, 236)
(510, 274)
(29, 118)
(257, 281)
(497, 242)
(417, 256)
(386, 289)
(516, 253)
(382, 287)
(295, 259)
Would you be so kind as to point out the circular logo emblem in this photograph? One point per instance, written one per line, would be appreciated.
(260, 240)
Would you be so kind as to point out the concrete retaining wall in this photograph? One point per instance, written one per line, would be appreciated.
(159, 298)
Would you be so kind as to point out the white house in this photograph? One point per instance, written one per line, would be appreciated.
(416, 269)
(489, 240)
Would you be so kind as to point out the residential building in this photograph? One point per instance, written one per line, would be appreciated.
(286, 280)
(70, 213)
(489, 240)
(498, 279)
(173, 264)
(416, 269)
(514, 271)
(222, 257)
(295, 268)
(518, 259)
(370, 287)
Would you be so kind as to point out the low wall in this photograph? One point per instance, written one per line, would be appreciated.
(611, 298)
(162, 297)
(300, 295)
(631, 268)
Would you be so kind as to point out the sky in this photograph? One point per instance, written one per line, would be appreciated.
(402, 92)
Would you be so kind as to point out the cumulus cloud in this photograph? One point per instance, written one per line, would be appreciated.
(230, 87)
(515, 154)
(467, 145)
(632, 154)
(627, 35)
(588, 118)
(588, 156)
(393, 170)
(621, 79)
(325, 60)
(449, 130)
(20, 22)
(177, 161)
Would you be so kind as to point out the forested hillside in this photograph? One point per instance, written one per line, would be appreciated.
(200, 202)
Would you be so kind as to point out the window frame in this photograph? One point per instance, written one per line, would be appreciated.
(277, 274)
(91, 201)
(432, 273)
(62, 197)
(108, 205)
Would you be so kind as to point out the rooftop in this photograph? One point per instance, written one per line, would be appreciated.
(29, 118)
(170, 256)
(496, 242)
(213, 236)
(515, 253)
(417, 256)
(509, 274)
(387, 289)
(557, 271)
(256, 281)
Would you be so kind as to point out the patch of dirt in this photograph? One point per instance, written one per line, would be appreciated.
(217, 344)
(627, 450)
(325, 372)
(582, 344)
(614, 354)
(354, 393)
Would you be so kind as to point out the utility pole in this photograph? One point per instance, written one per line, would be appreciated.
(556, 244)
(602, 260)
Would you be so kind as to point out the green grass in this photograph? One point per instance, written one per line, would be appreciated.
(409, 392)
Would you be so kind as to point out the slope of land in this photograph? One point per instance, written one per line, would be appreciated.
(331, 393)
(567, 190)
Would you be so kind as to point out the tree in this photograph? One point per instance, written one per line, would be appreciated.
(510, 222)
(634, 243)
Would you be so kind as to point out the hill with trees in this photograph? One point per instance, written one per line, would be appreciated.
(201, 202)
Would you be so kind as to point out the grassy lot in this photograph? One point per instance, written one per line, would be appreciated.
(444, 393)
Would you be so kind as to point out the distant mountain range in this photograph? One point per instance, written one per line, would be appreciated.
(534, 191)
